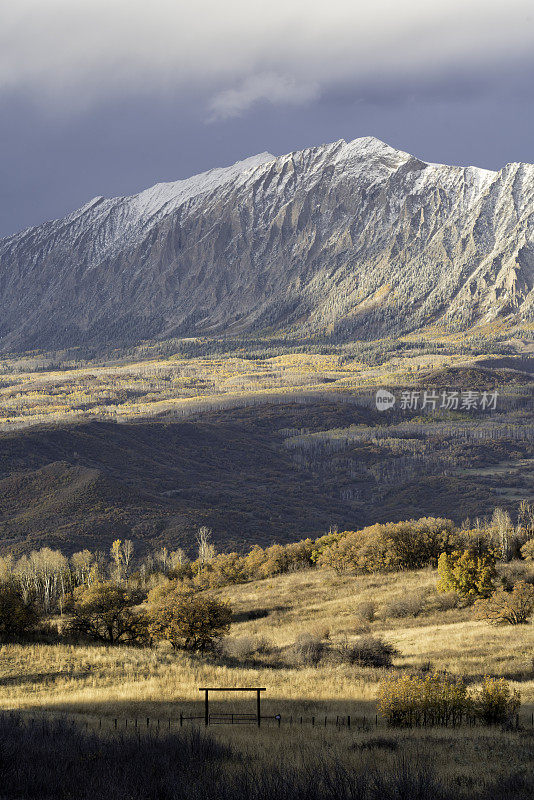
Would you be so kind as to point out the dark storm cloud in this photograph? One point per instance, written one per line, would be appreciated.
(513, 80)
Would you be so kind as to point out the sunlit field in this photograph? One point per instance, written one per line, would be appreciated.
(202, 374)
(150, 688)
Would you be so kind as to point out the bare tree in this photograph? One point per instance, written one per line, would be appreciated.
(83, 563)
(7, 567)
(503, 530)
(206, 550)
(177, 558)
(525, 520)
(163, 559)
(23, 574)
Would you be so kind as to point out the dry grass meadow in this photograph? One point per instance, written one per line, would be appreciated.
(96, 683)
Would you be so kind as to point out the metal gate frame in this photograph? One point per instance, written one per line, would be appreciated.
(250, 717)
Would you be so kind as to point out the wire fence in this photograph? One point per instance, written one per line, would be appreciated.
(156, 725)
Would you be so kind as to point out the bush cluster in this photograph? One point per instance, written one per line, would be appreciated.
(514, 607)
(367, 651)
(107, 612)
(187, 619)
(388, 547)
(231, 568)
(104, 612)
(443, 700)
(413, 700)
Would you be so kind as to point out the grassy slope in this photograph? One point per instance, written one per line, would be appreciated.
(129, 683)
(294, 603)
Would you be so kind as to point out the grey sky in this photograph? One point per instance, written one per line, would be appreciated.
(110, 96)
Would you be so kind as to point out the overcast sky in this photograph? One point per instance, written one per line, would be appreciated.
(107, 97)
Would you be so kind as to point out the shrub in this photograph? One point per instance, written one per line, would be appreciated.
(469, 574)
(189, 620)
(513, 572)
(410, 604)
(223, 570)
(514, 608)
(276, 561)
(165, 587)
(366, 611)
(104, 612)
(527, 551)
(323, 543)
(415, 700)
(343, 555)
(495, 703)
(308, 650)
(299, 554)
(244, 648)
(17, 616)
(367, 651)
(445, 601)
(253, 561)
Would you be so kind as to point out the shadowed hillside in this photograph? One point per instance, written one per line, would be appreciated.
(254, 475)
(83, 484)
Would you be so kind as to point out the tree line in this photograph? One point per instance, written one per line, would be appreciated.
(102, 592)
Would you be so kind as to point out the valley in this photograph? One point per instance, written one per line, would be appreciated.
(151, 448)
(190, 440)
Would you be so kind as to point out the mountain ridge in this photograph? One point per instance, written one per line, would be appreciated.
(350, 238)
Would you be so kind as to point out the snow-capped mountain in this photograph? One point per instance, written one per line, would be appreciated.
(351, 237)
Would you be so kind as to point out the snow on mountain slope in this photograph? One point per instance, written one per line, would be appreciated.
(351, 237)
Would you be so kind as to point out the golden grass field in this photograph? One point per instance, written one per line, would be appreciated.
(175, 385)
(94, 682)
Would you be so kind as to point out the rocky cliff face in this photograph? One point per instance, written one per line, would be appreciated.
(355, 238)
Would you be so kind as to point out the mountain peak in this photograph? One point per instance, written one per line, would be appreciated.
(356, 237)
(371, 144)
